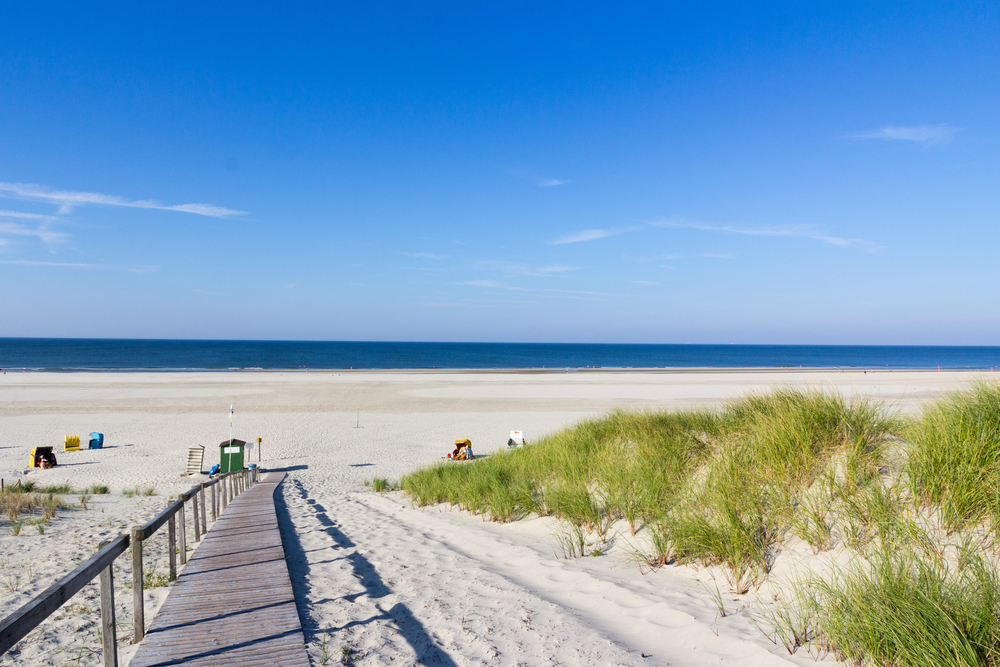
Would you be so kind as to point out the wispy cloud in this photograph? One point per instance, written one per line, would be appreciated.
(67, 200)
(558, 268)
(667, 257)
(425, 255)
(521, 269)
(42, 232)
(81, 265)
(18, 215)
(545, 291)
(804, 231)
(585, 235)
(534, 177)
(717, 255)
(918, 134)
(642, 282)
(289, 286)
(486, 283)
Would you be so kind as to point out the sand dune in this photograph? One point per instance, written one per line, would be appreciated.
(393, 583)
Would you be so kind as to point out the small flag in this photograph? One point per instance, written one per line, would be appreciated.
(230, 412)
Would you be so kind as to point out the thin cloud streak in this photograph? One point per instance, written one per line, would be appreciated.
(524, 269)
(45, 235)
(803, 231)
(425, 255)
(75, 265)
(551, 182)
(555, 269)
(67, 200)
(585, 235)
(493, 284)
(918, 134)
(28, 216)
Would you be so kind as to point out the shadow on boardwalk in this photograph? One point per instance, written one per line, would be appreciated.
(399, 615)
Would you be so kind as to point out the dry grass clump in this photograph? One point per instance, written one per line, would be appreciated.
(29, 499)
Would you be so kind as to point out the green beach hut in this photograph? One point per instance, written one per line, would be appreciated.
(231, 455)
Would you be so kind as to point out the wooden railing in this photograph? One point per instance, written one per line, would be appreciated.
(223, 489)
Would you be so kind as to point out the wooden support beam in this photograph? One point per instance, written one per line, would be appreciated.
(215, 505)
(194, 517)
(109, 639)
(138, 605)
(201, 502)
(172, 546)
(182, 535)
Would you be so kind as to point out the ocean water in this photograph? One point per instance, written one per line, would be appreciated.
(67, 354)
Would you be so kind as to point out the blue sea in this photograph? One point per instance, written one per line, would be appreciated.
(68, 354)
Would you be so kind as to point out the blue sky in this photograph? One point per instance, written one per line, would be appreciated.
(700, 172)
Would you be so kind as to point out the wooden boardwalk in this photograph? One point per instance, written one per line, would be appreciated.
(232, 603)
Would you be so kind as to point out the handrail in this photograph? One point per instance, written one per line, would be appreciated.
(16, 626)
(24, 620)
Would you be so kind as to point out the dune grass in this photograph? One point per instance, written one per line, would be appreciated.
(715, 487)
(916, 500)
(904, 609)
(955, 461)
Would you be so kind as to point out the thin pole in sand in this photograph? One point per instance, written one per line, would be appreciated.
(358, 425)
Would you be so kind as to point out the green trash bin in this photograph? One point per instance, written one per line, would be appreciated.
(231, 455)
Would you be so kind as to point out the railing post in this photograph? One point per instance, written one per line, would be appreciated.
(194, 517)
(215, 505)
(172, 546)
(108, 639)
(223, 482)
(182, 534)
(138, 606)
(204, 523)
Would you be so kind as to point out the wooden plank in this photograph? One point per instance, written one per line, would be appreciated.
(24, 620)
(233, 603)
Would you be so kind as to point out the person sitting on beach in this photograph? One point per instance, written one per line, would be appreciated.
(45, 461)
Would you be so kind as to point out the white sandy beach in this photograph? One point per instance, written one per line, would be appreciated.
(393, 583)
